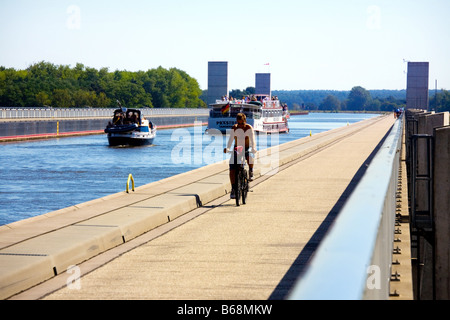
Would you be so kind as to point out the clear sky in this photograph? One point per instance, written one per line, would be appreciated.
(321, 44)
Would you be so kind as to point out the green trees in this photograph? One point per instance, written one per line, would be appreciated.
(441, 101)
(357, 99)
(46, 84)
(238, 94)
(330, 103)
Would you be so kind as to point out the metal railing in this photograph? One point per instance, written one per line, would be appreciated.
(353, 262)
(24, 113)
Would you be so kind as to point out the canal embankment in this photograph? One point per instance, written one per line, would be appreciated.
(43, 128)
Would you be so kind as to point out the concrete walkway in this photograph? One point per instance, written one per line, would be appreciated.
(218, 250)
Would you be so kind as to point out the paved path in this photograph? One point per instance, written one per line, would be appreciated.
(220, 251)
(251, 252)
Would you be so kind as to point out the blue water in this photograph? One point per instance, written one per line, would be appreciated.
(42, 176)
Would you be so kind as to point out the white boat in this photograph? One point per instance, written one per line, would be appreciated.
(129, 127)
(264, 113)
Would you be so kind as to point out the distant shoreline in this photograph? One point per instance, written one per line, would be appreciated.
(306, 112)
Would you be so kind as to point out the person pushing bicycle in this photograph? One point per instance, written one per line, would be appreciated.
(243, 135)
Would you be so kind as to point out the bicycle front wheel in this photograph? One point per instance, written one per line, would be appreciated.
(244, 186)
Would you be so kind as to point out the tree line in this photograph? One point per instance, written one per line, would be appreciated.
(357, 99)
(440, 102)
(46, 84)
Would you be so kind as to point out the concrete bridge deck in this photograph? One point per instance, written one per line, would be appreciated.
(183, 238)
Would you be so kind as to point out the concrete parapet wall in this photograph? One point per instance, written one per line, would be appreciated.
(432, 250)
(427, 122)
(26, 127)
(442, 212)
(38, 128)
(36, 249)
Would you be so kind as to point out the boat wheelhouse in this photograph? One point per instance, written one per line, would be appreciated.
(264, 113)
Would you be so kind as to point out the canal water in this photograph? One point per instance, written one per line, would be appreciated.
(38, 177)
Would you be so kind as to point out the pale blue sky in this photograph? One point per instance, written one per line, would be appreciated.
(322, 44)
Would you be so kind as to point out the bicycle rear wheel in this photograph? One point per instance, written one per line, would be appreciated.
(237, 186)
(237, 191)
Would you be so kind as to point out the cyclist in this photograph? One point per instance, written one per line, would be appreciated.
(243, 135)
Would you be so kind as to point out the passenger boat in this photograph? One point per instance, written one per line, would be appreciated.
(264, 113)
(129, 127)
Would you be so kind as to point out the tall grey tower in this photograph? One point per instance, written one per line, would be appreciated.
(417, 85)
(217, 80)
(262, 83)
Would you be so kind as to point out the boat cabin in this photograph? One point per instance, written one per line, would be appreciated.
(126, 116)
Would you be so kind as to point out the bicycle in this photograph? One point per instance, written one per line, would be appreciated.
(240, 186)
